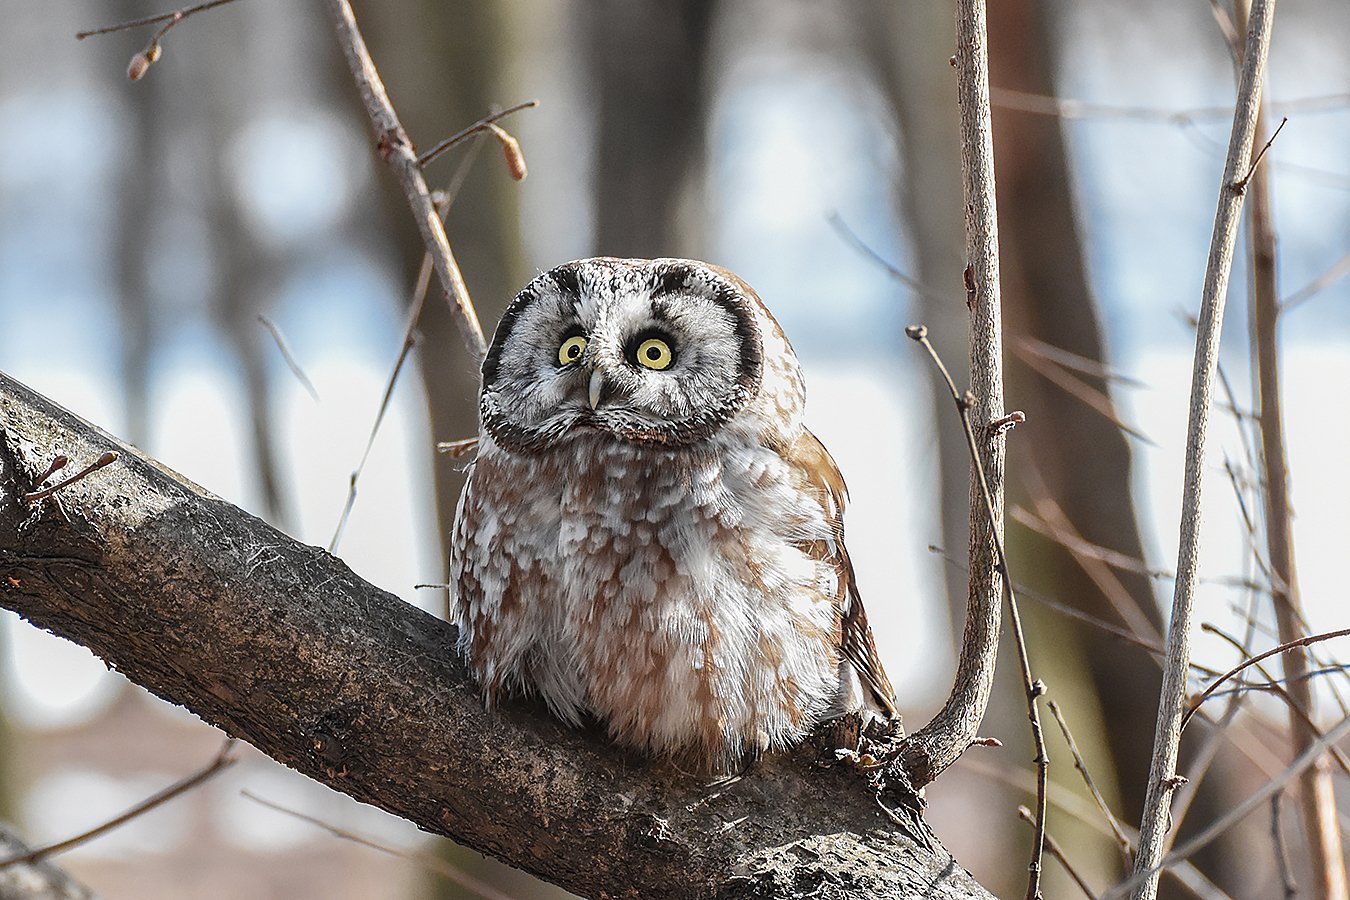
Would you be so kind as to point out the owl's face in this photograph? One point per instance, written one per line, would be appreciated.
(657, 352)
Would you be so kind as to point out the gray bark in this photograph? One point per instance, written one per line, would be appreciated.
(280, 644)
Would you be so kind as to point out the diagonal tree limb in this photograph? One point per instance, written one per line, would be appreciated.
(280, 644)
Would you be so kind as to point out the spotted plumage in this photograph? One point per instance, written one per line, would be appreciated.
(648, 534)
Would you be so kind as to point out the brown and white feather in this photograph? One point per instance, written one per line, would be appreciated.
(659, 548)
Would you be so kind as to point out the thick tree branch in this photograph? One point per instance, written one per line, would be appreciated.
(280, 644)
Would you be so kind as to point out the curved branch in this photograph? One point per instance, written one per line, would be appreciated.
(937, 745)
(280, 644)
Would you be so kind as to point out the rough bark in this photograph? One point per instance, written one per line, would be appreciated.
(280, 644)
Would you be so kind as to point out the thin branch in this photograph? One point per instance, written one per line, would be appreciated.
(1337, 271)
(1235, 815)
(172, 18)
(443, 201)
(478, 127)
(851, 238)
(1089, 395)
(1128, 607)
(1061, 531)
(1052, 846)
(1033, 687)
(1077, 362)
(939, 743)
(1276, 686)
(396, 150)
(223, 760)
(106, 459)
(1256, 161)
(1121, 840)
(1125, 634)
(1281, 854)
(1066, 108)
(425, 860)
(1171, 706)
(1317, 797)
(289, 358)
(1300, 642)
(142, 61)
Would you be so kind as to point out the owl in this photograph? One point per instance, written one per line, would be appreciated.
(648, 534)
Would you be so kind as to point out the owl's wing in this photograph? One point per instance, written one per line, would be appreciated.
(856, 644)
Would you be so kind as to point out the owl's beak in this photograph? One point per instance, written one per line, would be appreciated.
(597, 384)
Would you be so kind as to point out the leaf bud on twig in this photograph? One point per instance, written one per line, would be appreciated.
(141, 62)
(515, 160)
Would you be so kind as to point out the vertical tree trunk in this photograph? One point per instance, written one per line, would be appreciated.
(646, 63)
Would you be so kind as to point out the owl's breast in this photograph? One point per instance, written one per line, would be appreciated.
(666, 592)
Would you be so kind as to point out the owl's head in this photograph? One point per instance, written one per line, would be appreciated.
(664, 352)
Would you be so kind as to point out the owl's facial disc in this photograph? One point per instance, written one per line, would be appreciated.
(658, 352)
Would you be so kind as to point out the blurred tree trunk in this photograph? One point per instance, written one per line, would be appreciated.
(442, 64)
(646, 59)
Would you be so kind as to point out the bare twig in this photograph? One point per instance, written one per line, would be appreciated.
(1277, 844)
(1337, 271)
(1129, 608)
(1034, 688)
(1077, 362)
(1062, 799)
(1111, 821)
(1066, 108)
(57, 464)
(932, 748)
(1317, 798)
(443, 202)
(106, 459)
(1171, 705)
(141, 62)
(1235, 815)
(1125, 634)
(1093, 398)
(426, 860)
(1273, 685)
(478, 127)
(172, 18)
(396, 149)
(1052, 846)
(851, 238)
(988, 563)
(1256, 160)
(290, 359)
(1301, 642)
(223, 759)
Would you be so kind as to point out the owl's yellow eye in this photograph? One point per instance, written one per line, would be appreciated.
(654, 353)
(571, 349)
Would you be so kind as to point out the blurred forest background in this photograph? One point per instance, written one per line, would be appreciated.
(145, 227)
